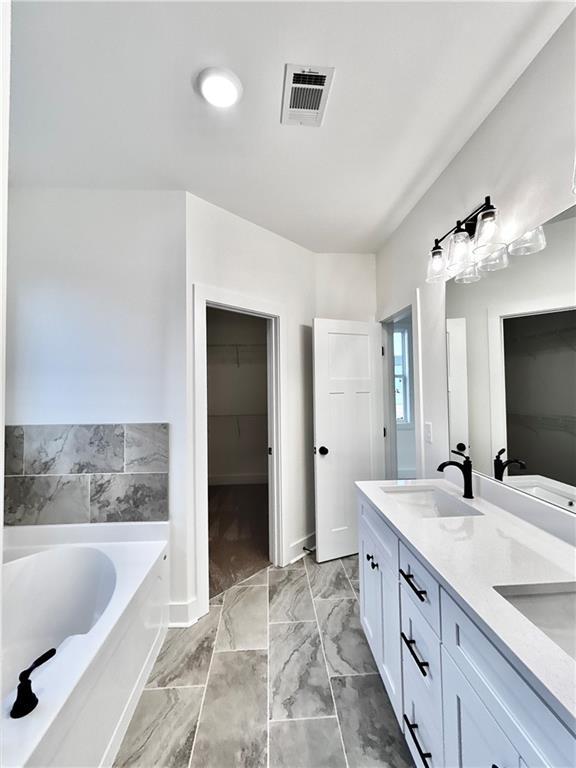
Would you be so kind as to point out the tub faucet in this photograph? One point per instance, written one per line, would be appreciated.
(501, 466)
(465, 467)
(26, 699)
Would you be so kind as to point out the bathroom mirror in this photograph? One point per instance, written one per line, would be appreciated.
(511, 351)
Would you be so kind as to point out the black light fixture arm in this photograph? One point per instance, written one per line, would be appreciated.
(468, 222)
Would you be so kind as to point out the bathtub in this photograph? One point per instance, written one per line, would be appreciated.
(104, 607)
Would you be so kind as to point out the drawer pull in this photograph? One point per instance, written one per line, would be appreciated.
(409, 578)
(369, 557)
(374, 564)
(412, 727)
(422, 665)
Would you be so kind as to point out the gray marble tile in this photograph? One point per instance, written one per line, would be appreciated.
(290, 566)
(351, 567)
(162, 730)
(146, 447)
(46, 500)
(13, 450)
(371, 734)
(356, 587)
(259, 579)
(244, 619)
(299, 685)
(347, 651)
(232, 730)
(127, 498)
(217, 599)
(306, 744)
(72, 449)
(185, 655)
(289, 596)
(328, 580)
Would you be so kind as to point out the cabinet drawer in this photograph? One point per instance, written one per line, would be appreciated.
(423, 588)
(538, 735)
(420, 647)
(422, 720)
(421, 673)
(386, 539)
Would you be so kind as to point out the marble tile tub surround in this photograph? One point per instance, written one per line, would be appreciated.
(293, 687)
(83, 473)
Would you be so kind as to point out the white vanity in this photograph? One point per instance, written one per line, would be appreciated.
(470, 613)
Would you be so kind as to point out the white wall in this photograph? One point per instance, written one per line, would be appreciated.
(550, 273)
(523, 155)
(96, 318)
(345, 286)
(237, 398)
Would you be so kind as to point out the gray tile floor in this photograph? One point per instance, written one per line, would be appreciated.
(278, 675)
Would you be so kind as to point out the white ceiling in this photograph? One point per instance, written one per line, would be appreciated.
(102, 97)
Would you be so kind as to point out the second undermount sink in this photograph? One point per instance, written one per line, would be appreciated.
(429, 502)
(550, 607)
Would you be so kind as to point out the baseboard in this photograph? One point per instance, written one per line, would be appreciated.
(295, 550)
(120, 731)
(184, 614)
(258, 479)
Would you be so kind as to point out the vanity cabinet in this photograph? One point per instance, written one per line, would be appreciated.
(460, 702)
(380, 601)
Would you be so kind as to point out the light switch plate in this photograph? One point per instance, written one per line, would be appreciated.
(428, 431)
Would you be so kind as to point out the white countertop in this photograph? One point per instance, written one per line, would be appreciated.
(470, 556)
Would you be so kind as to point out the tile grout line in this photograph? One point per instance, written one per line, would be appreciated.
(350, 580)
(301, 719)
(319, 629)
(201, 710)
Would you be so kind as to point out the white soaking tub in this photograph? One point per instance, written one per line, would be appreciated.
(104, 608)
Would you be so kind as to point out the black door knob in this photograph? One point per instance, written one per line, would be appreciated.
(323, 450)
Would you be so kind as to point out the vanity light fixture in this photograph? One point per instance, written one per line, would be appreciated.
(220, 87)
(436, 264)
(531, 242)
(459, 252)
(487, 240)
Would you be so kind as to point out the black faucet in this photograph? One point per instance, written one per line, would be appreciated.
(465, 467)
(501, 466)
(26, 699)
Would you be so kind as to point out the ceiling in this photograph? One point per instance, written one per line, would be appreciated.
(101, 97)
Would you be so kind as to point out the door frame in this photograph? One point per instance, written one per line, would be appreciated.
(204, 296)
(495, 316)
(414, 307)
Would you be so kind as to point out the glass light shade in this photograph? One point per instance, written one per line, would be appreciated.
(498, 259)
(530, 242)
(436, 272)
(220, 87)
(470, 275)
(459, 253)
(488, 238)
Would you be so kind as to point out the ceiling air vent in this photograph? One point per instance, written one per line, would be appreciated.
(306, 92)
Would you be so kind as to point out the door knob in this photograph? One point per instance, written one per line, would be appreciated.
(323, 450)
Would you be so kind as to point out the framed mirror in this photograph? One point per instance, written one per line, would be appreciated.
(511, 350)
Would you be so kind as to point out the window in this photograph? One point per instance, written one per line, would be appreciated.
(402, 376)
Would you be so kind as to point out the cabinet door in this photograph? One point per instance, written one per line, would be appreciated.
(472, 738)
(370, 590)
(389, 662)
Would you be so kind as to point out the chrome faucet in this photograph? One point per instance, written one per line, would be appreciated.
(465, 467)
(501, 466)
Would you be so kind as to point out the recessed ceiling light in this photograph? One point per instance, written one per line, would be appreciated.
(220, 87)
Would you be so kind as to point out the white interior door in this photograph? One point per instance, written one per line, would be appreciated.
(348, 437)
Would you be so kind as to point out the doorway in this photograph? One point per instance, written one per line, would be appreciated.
(400, 411)
(238, 446)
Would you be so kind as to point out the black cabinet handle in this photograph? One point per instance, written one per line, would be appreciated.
(422, 665)
(409, 577)
(413, 727)
(323, 450)
(369, 557)
(374, 564)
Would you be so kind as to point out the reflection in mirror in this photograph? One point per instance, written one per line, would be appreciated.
(511, 350)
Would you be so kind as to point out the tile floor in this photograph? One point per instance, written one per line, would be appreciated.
(277, 675)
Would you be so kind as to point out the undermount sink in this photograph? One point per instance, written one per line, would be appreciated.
(550, 607)
(430, 502)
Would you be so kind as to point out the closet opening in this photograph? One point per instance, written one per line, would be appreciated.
(239, 446)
